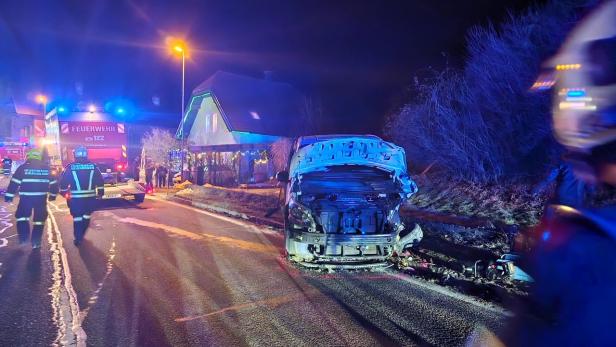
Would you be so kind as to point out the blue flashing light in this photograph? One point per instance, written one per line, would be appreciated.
(576, 93)
(61, 109)
(546, 235)
(120, 111)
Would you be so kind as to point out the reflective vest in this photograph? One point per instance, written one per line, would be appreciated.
(33, 178)
(83, 180)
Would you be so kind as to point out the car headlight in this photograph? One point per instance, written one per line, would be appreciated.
(300, 217)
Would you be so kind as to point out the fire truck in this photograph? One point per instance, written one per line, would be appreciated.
(104, 136)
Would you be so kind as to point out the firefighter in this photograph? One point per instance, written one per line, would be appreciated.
(81, 182)
(36, 184)
(7, 164)
(574, 260)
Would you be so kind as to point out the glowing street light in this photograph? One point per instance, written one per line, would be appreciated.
(42, 99)
(91, 108)
(179, 47)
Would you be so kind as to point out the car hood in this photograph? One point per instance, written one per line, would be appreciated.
(357, 151)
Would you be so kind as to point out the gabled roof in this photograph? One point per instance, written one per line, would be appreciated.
(254, 105)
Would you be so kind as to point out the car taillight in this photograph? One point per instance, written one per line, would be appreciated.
(119, 167)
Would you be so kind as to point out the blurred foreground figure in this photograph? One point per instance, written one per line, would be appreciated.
(82, 182)
(574, 259)
(35, 184)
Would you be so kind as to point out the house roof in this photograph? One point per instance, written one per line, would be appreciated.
(254, 105)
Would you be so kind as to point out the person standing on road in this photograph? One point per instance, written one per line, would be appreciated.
(149, 173)
(161, 176)
(81, 182)
(7, 165)
(35, 184)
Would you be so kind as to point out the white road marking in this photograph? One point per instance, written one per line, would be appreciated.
(109, 269)
(63, 294)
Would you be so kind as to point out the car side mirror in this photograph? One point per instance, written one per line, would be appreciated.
(282, 176)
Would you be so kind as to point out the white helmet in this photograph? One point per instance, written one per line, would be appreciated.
(584, 111)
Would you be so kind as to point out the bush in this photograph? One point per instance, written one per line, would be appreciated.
(481, 122)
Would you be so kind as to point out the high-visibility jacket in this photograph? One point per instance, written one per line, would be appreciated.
(33, 178)
(83, 180)
(7, 164)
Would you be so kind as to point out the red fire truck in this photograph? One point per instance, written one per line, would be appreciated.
(103, 135)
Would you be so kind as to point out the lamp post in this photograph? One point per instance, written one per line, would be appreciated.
(42, 99)
(179, 48)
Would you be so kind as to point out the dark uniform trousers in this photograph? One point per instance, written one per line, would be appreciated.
(81, 209)
(35, 206)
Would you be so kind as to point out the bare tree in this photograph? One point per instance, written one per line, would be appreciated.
(280, 151)
(481, 122)
(157, 144)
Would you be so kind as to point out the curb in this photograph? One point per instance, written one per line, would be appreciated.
(216, 209)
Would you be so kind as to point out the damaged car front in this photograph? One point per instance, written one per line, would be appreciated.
(343, 196)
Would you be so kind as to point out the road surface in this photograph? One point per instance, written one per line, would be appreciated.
(167, 274)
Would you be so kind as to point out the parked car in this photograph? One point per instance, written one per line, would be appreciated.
(342, 199)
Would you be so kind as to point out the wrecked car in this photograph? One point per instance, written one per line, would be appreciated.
(342, 199)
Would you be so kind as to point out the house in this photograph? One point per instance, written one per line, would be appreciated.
(230, 123)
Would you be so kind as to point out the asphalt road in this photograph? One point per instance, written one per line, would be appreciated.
(166, 274)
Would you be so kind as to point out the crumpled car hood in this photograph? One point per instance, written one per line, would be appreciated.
(351, 150)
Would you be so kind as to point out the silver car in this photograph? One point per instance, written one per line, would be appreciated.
(343, 195)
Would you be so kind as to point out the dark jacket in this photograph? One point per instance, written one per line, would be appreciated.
(33, 178)
(83, 180)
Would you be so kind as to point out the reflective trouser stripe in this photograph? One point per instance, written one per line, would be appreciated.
(77, 219)
(77, 185)
(32, 193)
(16, 180)
(10, 195)
(86, 216)
(53, 195)
(38, 223)
(90, 180)
(53, 182)
(23, 219)
(36, 180)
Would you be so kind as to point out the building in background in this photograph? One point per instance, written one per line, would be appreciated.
(230, 123)
(20, 129)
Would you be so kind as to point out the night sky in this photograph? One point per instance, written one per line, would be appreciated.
(357, 57)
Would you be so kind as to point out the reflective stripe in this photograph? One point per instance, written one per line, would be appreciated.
(82, 191)
(86, 216)
(16, 180)
(91, 195)
(90, 180)
(10, 195)
(36, 180)
(53, 195)
(23, 219)
(78, 186)
(53, 182)
(63, 190)
(77, 219)
(32, 193)
(38, 223)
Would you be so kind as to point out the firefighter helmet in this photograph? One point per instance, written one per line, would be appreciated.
(34, 154)
(585, 95)
(81, 152)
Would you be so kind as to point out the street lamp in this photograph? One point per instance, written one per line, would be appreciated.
(179, 48)
(42, 99)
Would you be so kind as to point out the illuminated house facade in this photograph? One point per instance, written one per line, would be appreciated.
(230, 123)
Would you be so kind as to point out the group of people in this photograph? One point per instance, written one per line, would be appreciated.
(81, 183)
(158, 176)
